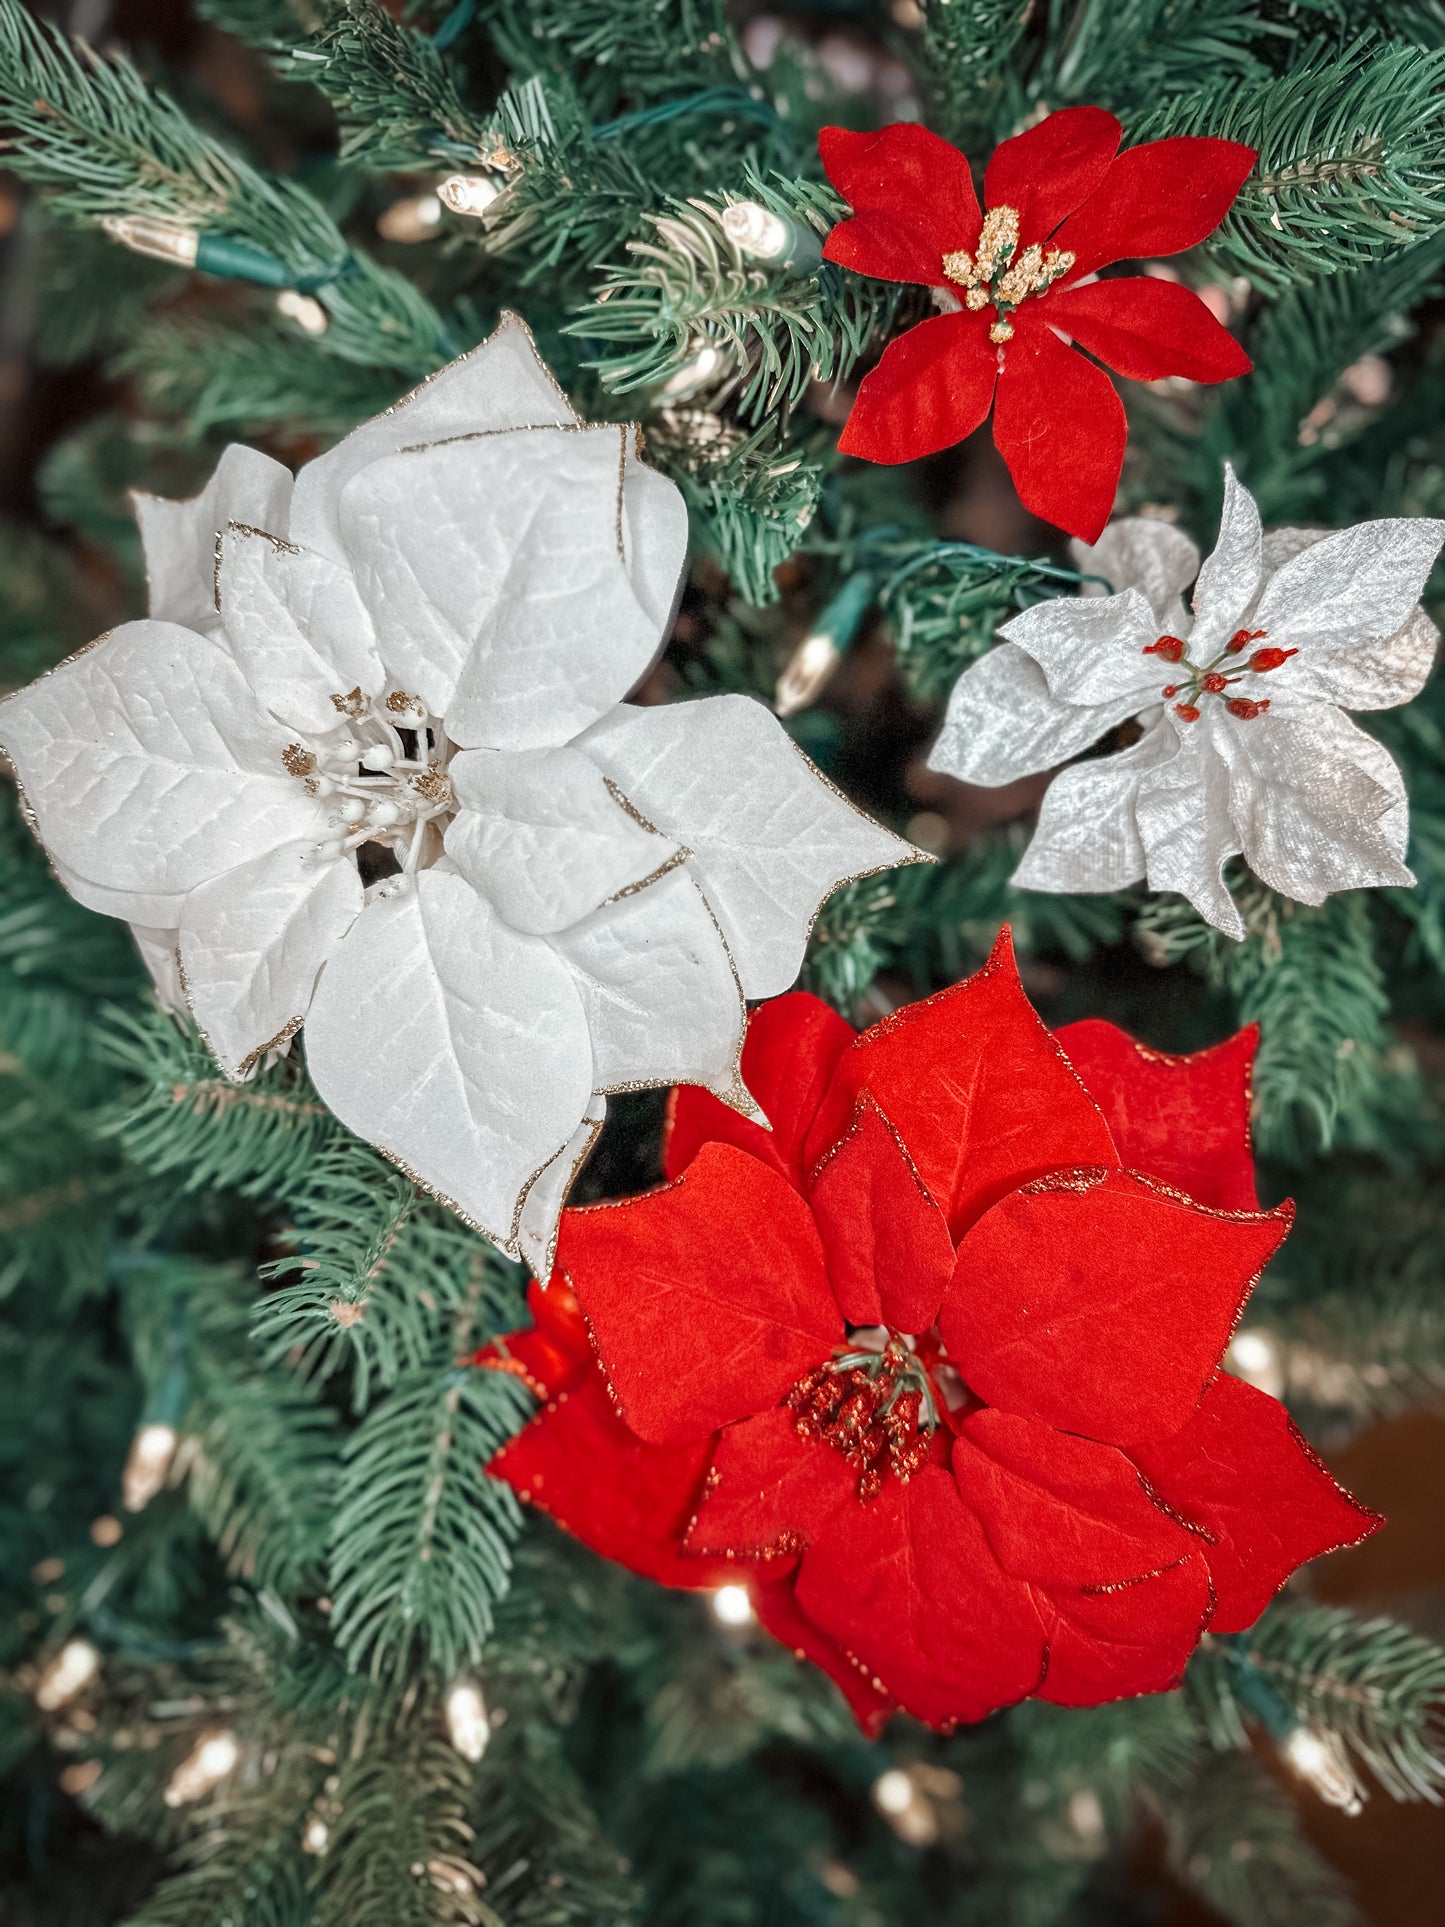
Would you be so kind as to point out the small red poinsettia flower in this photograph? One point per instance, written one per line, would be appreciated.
(1059, 204)
(933, 1366)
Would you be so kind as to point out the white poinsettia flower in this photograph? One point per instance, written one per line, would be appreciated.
(367, 765)
(1244, 747)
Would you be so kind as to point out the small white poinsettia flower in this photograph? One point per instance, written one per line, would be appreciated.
(367, 765)
(1243, 746)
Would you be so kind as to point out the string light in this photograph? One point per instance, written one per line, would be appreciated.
(764, 235)
(213, 1756)
(315, 1835)
(146, 1465)
(731, 1606)
(415, 218)
(304, 309)
(148, 234)
(1255, 1357)
(1321, 1764)
(699, 368)
(468, 1727)
(469, 194)
(808, 671)
(905, 1807)
(67, 1674)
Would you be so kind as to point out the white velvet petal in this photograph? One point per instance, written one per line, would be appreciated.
(1183, 817)
(539, 833)
(654, 538)
(179, 538)
(1281, 544)
(1361, 675)
(1356, 584)
(1229, 577)
(496, 576)
(156, 910)
(771, 839)
(542, 1208)
(148, 762)
(501, 384)
(1141, 552)
(1087, 838)
(1002, 723)
(1319, 805)
(158, 953)
(454, 1044)
(663, 1004)
(252, 941)
(1091, 649)
(296, 626)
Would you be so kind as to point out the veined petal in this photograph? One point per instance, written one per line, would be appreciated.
(502, 384)
(1356, 585)
(1141, 552)
(932, 388)
(1087, 838)
(540, 834)
(776, 1605)
(1182, 1119)
(662, 999)
(149, 762)
(1069, 1277)
(1060, 428)
(1124, 1640)
(158, 953)
(1367, 675)
(1004, 722)
(1051, 169)
(252, 942)
(498, 575)
(1240, 1471)
(1091, 648)
(296, 626)
(159, 911)
(912, 198)
(1230, 575)
(770, 1492)
(1145, 328)
(454, 1044)
(1183, 814)
(179, 538)
(980, 1093)
(770, 837)
(1156, 199)
(706, 1300)
(1318, 805)
(793, 1045)
(540, 1220)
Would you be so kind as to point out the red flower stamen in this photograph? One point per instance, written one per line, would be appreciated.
(1170, 689)
(1266, 659)
(1246, 710)
(1242, 638)
(1187, 713)
(1169, 647)
(1214, 684)
(873, 1413)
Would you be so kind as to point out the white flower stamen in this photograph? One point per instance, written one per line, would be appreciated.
(388, 791)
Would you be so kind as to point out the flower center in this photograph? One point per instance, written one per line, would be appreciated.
(877, 1408)
(993, 278)
(383, 771)
(1209, 679)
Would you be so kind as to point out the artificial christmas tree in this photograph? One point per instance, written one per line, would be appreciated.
(914, 1355)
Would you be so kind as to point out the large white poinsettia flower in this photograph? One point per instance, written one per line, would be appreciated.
(366, 765)
(1243, 746)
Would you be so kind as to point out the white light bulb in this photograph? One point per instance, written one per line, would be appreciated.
(468, 1727)
(69, 1673)
(1254, 1356)
(1321, 1765)
(756, 230)
(731, 1606)
(147, 234)
(808, 670)
(304, 309)
(413, 219)
(315, 1835)
(699, 368)
(212, 1757)
(469, 193)
(146, 1465)
(893, 1791)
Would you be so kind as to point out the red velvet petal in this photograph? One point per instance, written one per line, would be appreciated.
(1049, 170)
(1156, 199)
(1144, 328)
(931, 389)
(706, 1300)
(776, 1606)
(889, 1254)
(1182, 1119)
(1135, 1639)
(912, 1591)
(768, 1491)
(577, 1462)
(980, 1093)
(912, 199)
(1101, 1303)
(1060, 428)
(1060, 1510)
(792, 1045)
(1240, 1469)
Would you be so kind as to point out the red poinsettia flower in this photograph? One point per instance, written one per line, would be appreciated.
(933, 1365)
(1059, 204)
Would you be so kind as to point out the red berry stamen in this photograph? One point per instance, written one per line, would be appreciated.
(1242, 638)
(1266, 659)
(873, 1414)
(1245, 709)
(1170, 689)
(1169, 647)
(1214, 684)
(1187, 713)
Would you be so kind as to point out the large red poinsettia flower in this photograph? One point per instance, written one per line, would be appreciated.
(1059, 204)
(933, 1366)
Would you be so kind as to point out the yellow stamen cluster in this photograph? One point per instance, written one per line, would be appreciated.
(992, 278)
